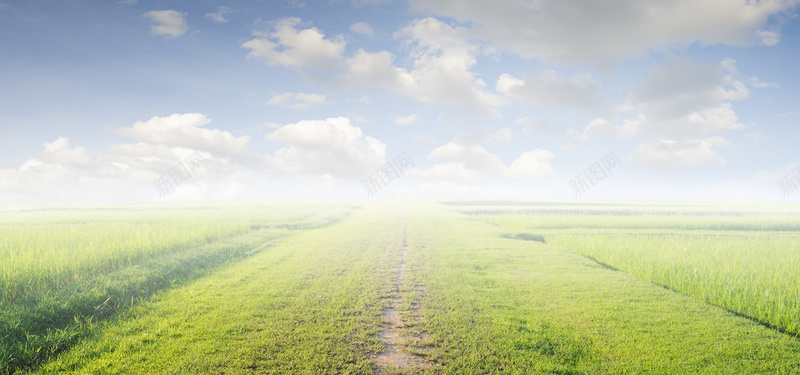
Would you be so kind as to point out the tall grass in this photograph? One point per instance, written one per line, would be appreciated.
(753, 275)
(742, 257)
(49, 257)
(64, 271)
(44, 250)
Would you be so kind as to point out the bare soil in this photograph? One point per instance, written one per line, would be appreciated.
(394, 358)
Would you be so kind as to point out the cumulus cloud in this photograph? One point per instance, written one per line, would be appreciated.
(127, 171)
(471, 157)
(676, 87)
(407, 120)
(440, 71)
(682, 98)
(531, 165)
(170, 23)
(61, 152)
(457, 162)
(328, 149)
(184, 130)
(371, 69)
(361, 28)
(292, 47)
(219, 15)
(759, 84)
(558, 30)
(298, 100)
(670, 155)
(550, 90)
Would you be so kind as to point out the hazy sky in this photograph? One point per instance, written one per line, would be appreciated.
(146, 100)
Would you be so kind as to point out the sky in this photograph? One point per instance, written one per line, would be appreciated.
(137, 100)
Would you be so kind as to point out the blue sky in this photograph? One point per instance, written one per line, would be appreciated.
(106, 100)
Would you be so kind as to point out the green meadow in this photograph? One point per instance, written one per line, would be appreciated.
(400, 287)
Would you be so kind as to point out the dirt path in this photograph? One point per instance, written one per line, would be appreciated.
(393, 357)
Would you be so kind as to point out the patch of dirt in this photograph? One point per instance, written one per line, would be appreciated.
(394, 358)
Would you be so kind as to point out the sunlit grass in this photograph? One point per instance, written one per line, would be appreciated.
(744, 258)
(66, 271)
(755, 275)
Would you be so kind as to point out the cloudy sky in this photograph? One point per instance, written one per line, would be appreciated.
(552, 99)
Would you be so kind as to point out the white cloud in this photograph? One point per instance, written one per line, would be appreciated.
(127, 171)
(677, 87)
(472, 157)
(768, 38)
(371, 69)
(682, 98)
(291, 47)
(184, 130)
(440, 67)
(327, 150)
(219, 15)
(560, 30)
(531, 165)
(457, 162)
(550, 90)
(407, 120)
(297, 100)
(361, 28)
(61, 152)
(171, 23)
(759, 84)
(439, 73)
(669, 155)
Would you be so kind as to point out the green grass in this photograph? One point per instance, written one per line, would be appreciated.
(755, 274)
(497, 305)
(745, 261)
(49, 312)
(477, 297)
(48, 250)
(311, 304)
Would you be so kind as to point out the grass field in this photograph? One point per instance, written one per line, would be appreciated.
(363, 287)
